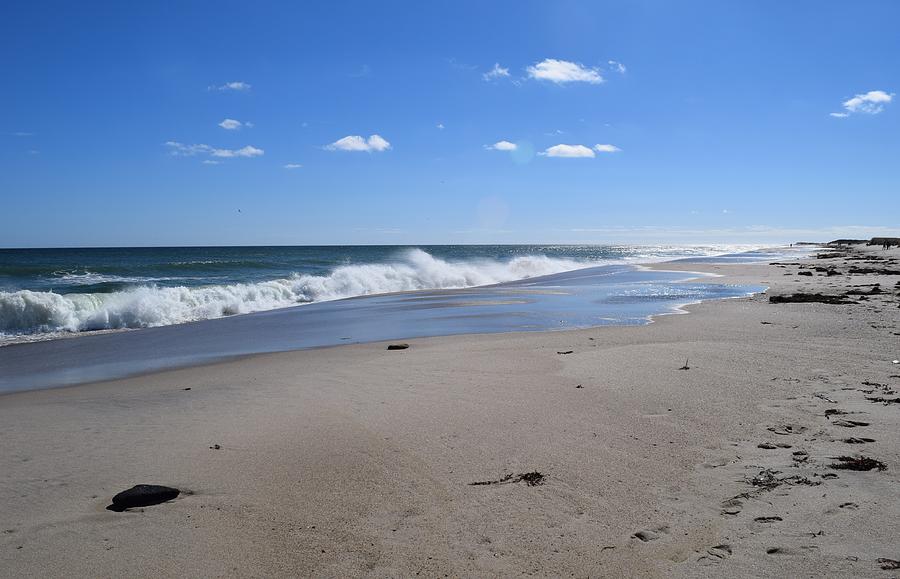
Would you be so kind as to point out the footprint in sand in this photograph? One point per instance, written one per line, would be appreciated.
(732, 506)
(648, 535)
(720, 551)
(786, 429)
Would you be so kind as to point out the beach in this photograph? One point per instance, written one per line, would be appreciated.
(700, 445)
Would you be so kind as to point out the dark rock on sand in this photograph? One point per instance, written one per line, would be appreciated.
(398, 346)
(142, 496)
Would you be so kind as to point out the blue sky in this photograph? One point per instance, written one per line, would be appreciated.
(714, 121)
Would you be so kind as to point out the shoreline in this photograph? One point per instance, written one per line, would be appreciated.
(12, 340)
(356, 461)
(366, 319)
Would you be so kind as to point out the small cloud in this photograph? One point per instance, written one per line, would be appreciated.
(236, 85)
(233, 125)
(293, 166)
(617, 66)
(22, 134)
(725, 211)
(248, 151)
(33, 152)
(375, 143)
(839, 115)
(563, 71)
(502, 146)
(440, 126)
(606, 148)
(870, 103)
(569, 151)
(181, 150)
(211, 162)
(496, 72)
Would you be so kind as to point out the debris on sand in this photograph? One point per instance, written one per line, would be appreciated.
(398, 346)
(871, 270)
(766, 479)
(883, 400)
(685, 367)
(861, 463)
(858, 440)
(563, 353)
(142, 496)
(532, 479)
(810, 298)
(849, 423)
(888, 564)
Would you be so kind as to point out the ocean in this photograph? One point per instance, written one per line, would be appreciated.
(46, 293)
(138, 310)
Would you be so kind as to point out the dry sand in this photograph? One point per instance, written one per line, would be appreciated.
(357, 461)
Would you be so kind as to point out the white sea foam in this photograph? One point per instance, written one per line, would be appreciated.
(30, 312)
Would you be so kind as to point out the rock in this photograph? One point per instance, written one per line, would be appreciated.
(398, 346)
(142, 496)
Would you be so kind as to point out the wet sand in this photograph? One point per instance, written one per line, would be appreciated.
(358, 461)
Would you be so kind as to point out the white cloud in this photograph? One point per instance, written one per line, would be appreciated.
(496, 72)
(211, 162)
(293, 166)
(182, 150)
(236, 85)
(22, 134)
(870, 103)
(357, 143)
(563, 71)
(840, 115)
(617, 66)
(606, 148)
(248, 151)
(502, 146)
(440, 126)
(232, 124)
(570, 151)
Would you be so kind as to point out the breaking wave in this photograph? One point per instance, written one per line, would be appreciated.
(26, 312)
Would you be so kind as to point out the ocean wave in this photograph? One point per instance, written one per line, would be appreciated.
(27, 312)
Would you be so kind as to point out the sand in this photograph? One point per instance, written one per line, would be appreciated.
(357, 461)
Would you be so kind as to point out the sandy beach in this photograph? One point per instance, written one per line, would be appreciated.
(701, 445)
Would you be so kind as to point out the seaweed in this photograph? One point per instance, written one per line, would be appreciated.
(532, 479)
